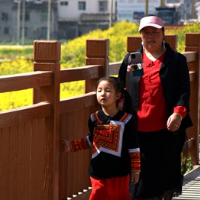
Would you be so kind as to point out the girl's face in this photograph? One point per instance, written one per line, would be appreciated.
(152, 38)
(106, 94)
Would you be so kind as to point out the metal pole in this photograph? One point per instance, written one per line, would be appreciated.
(161, 3)
(185, 11)
(193, 16)
(147, 7)
(49, 20)
(18, 19)
(111, 13)
(23, 22)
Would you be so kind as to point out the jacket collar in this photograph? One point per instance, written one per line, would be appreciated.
(169, 56)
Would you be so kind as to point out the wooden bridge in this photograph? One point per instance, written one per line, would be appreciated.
(32, 165)
(191, 186)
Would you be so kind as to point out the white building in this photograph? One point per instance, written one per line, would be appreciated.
(73, 9)
(186, 8)
(197, 7)
(134, 10)
(13, 26)
(77, 17)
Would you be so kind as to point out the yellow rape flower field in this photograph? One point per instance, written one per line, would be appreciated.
(19, 59)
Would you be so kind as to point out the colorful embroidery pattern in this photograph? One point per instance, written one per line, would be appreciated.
(125, 118)
(106, 136)
(95, 118)
(78, 145)
(135, 161)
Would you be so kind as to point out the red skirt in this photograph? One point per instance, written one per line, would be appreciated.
(110, 189)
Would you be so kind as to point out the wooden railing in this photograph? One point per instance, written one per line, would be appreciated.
(174, 26)
(32, 165)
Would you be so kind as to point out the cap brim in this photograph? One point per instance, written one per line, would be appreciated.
(151, 25)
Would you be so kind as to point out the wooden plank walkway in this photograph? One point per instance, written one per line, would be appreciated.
(191, 185)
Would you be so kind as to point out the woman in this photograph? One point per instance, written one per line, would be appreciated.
(161, 100)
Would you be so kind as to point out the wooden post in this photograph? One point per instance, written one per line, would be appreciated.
(46, 58)
(172, 40)
(192, 43)
(134, 42)
(97, 51)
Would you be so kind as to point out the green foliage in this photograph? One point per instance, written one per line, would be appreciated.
(10, 100)
(18, 42)
(194, 28)
(71, 89)
(73, 52)
(186, 165)
(14, 52)
(19, 65)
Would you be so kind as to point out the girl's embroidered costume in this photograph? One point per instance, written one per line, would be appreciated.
(115, 154)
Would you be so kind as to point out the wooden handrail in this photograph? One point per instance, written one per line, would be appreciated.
(25, 81)
(24, 114)
(188, 144)
(78, 102)
(113, 68)
(80, 73)
(191, 56)
(193, 75)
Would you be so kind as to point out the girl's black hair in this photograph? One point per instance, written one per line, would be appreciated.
(114, 80)
(127, 106)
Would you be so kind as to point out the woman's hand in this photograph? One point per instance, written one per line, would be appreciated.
(134, 177)
(174, 122)
(65, 146)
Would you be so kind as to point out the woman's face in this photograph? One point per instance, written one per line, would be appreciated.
(152, 38)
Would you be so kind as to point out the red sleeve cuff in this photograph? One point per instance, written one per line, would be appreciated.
(181, 110)
(78, 145)
(135, 161)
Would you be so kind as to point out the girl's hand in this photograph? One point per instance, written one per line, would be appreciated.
(174, 122)
(65, 146)
(134, 177)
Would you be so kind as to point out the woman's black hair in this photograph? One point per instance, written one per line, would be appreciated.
(127, 105)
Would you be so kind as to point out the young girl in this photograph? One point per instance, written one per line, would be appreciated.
(112, 137)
